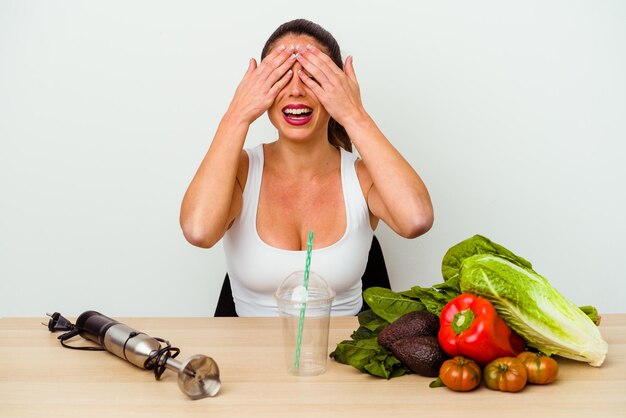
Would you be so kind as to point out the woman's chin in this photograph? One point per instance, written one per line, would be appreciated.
(296, 135)
(300, 133)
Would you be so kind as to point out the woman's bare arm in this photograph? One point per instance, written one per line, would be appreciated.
(214, 199)
(397, 194)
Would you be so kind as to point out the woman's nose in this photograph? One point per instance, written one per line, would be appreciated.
(295, 87)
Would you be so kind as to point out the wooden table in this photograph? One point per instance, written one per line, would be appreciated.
(39, 378)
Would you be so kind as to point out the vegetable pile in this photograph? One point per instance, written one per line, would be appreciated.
(491, 305)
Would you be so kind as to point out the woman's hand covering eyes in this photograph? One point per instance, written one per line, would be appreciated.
(261, 84)
(337, 90)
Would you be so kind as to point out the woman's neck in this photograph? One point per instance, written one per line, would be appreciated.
(301, 159)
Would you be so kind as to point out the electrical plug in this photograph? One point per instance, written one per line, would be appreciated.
(58, 322)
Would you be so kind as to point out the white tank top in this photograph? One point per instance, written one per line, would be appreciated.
(256, 269)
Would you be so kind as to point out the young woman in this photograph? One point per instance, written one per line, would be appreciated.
(264, 200)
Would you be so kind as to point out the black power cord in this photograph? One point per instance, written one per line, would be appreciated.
(157, 359)
(57, 323)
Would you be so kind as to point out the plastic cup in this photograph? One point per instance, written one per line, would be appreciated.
(292, 297)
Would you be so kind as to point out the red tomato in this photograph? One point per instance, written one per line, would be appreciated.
(460, 374)
(540, 368)
(506, 374)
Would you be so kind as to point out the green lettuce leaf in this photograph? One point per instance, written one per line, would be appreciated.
(592, 313)
(534, 309)
(478, 244)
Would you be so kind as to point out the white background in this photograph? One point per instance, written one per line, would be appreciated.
(513, 113)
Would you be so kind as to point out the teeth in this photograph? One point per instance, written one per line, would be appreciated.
(297, 111)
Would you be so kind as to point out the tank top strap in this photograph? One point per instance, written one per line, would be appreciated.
(252, 188)
(356, 206)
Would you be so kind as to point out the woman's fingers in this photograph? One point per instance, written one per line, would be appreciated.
(280, 84)
(321, 60)
(349, 68)
(311, 84)
(313, 68)
(281, 70)
(251, 66)
(275, 60)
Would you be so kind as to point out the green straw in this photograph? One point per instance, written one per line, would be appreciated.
(309, 247)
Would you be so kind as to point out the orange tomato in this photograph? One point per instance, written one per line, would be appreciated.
(506, 374)
(541, 369)
(460, 374)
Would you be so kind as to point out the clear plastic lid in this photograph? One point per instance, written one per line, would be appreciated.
(292, 289)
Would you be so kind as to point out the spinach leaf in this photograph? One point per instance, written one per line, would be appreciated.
(409, 294)
(368, 356)
(371, 321)
(451, 288)
(432, 299)
(436, 297)
(390, 305)
(362, 333)
(370, 325)
(386, 365)
(453, 259)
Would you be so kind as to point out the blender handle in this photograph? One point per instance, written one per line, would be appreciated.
(93, 326)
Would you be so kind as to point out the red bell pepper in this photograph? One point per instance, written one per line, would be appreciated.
(471, 327)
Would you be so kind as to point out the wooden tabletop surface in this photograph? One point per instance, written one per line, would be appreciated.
(39, 378)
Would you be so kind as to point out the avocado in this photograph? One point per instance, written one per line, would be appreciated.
(421, 354)
(413, 324)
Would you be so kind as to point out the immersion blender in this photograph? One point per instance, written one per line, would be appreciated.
(198, 376)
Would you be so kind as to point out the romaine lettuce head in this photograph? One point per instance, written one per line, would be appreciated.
(478, 244)
(534, 309)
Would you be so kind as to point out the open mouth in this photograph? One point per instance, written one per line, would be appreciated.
(297, 114)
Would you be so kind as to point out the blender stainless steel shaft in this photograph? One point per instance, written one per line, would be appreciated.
(198, 376)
